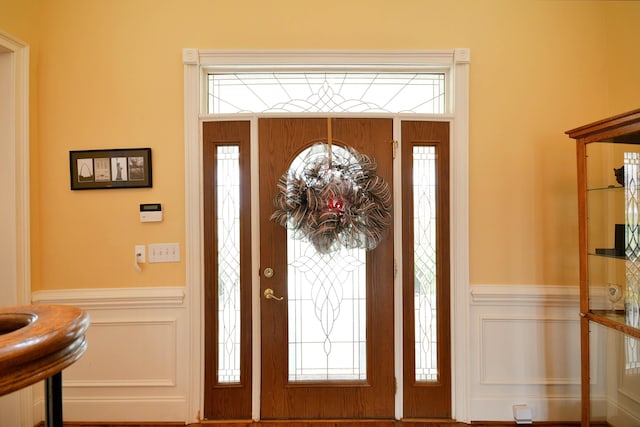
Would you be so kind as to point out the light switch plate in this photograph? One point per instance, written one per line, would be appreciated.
(164, 252)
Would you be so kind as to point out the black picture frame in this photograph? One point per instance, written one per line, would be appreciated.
(107, 169)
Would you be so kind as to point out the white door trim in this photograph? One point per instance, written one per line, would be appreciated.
(16, 67)
(458, 60)
(14, 111)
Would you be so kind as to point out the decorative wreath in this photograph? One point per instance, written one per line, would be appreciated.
(334, 198)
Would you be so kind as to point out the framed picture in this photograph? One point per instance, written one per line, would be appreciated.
(120, 168)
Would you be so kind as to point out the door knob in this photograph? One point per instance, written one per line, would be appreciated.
(268, 294)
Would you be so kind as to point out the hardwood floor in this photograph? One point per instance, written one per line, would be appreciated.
(366, 423)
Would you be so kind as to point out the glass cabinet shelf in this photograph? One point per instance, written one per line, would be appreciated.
(620, 257)
(607, 188)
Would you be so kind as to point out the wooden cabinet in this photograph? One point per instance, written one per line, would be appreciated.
(608, 154)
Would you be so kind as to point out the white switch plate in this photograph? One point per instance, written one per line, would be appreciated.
(140, 254)
(164, 252)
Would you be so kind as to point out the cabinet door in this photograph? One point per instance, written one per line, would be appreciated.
(615, 378)
(613, 231)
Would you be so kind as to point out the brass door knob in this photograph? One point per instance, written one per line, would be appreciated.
(268, 294)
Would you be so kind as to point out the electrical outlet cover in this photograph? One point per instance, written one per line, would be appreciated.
(522, 414)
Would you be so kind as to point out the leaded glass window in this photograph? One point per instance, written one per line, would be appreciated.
(228, 241)
(424, 229)
(327, 309)
(632, 252)
(307, 92)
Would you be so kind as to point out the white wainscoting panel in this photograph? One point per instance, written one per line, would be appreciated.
(524, 349)
(535, 352)
(136, 366)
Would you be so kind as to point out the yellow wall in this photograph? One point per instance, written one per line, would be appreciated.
(623, 61)
(109, 74)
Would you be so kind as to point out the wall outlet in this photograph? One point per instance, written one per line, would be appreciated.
(522, 414)
(141, 254)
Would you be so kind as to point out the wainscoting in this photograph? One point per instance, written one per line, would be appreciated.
(136, 367)
(523, 348)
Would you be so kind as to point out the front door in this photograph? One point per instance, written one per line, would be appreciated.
(327, 345)
(327, 330)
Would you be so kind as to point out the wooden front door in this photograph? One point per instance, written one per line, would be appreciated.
(327, 345)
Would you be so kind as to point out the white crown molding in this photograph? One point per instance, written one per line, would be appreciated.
(323, 60)
(239, 58)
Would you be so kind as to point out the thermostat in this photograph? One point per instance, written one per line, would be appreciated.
(150, 212)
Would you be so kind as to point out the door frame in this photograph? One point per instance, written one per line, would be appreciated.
(195, 62)
(14, 110)
(14, 66)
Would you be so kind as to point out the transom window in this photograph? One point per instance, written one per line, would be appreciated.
(308, 92)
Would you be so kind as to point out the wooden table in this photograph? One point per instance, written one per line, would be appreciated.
(36, 343)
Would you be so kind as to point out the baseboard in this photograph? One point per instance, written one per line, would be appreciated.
(122, 424)
(319, 423)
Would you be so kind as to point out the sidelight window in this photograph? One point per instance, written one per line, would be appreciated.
(228, 260)
(424, 262)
